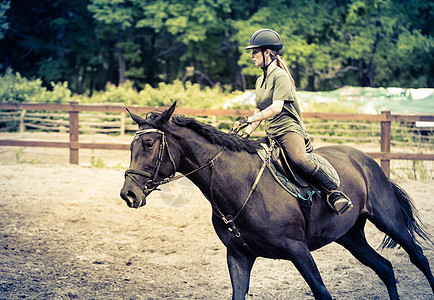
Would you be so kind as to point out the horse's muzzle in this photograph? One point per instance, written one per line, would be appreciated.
(134, 199)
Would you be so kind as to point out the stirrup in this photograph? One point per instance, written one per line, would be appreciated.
(341, 203)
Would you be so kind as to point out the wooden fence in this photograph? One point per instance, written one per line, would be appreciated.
(71, 123)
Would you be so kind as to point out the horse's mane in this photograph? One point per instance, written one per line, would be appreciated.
(231, 141)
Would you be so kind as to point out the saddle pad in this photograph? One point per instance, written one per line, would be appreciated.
(325, 166)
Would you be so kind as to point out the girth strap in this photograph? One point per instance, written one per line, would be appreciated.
(229, 220)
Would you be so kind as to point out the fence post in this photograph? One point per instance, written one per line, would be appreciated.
(386, 136)
(73, 134)
(22, 121)
(214, 120)
(122, 133)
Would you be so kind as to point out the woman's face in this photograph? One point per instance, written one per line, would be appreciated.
(257, 57)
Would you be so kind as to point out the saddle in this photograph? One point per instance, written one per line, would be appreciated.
(291, 181)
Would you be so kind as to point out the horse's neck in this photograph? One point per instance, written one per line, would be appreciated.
(197, 154)
(221, 180)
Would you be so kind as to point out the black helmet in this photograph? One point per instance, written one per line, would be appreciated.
(265, 39)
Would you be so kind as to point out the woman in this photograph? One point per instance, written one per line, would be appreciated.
(276, 103)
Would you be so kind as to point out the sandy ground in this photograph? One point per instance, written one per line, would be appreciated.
(66, 234)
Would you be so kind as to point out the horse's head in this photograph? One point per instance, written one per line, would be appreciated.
(152, 160)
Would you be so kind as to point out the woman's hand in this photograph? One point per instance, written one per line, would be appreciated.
(240, 124)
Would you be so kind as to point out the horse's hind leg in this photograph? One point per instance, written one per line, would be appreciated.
(392, 223)
(355, 242)
(401, 235)
(417, 257)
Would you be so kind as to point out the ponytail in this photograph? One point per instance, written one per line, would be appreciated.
(282, 64)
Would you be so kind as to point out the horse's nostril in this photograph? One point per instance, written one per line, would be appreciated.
(128, 197)
(131, 195)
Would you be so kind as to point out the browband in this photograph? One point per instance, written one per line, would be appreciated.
(140, 132)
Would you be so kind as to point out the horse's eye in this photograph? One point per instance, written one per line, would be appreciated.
(149, 144)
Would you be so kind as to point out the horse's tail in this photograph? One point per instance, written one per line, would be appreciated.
(411, 219)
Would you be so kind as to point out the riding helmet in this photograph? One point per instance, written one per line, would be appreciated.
(265, 39)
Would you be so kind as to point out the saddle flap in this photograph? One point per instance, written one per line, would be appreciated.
(282, 164)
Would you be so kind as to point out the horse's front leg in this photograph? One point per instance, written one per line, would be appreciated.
(305, 264)
(240, 266)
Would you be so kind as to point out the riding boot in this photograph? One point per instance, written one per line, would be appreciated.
(337, 200)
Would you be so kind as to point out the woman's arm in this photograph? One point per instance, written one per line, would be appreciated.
(258, 115)
(272, 110)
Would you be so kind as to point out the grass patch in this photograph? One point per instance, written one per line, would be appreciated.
(20, 156)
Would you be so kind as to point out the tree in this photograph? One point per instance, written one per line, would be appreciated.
(4, 24)
(46, 39)
(380, 42)
(118, 15)
(327, 44)
(197, 33)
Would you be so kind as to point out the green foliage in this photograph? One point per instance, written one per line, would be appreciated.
(20, 156)
(186, 94)
(112, 12)
(302, 28)
(362, 43)
(15, 88)
(97, 163)
(383, 40)
(327, 44)
(124, 93)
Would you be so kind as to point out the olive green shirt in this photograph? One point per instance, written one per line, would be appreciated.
(278, 86)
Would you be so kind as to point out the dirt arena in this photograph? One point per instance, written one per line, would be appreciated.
(66, 234)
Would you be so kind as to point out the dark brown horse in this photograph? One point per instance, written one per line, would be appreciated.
(271, 224)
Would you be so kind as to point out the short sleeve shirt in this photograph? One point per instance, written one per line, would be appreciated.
(278, 86)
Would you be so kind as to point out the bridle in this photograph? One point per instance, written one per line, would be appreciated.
(152, 184)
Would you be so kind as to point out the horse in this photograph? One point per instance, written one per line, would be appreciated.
(270, 223)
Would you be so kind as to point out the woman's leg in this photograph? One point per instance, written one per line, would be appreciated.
(295, 148)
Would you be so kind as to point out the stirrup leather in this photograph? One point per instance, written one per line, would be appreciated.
(348, 205)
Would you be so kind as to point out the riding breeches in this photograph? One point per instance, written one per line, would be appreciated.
(296, 148)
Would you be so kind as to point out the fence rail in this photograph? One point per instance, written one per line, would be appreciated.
(74, 108)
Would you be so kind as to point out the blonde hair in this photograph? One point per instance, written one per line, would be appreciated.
(282, 64)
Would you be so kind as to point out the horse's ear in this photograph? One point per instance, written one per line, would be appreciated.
(169, 112)
(139, 120)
